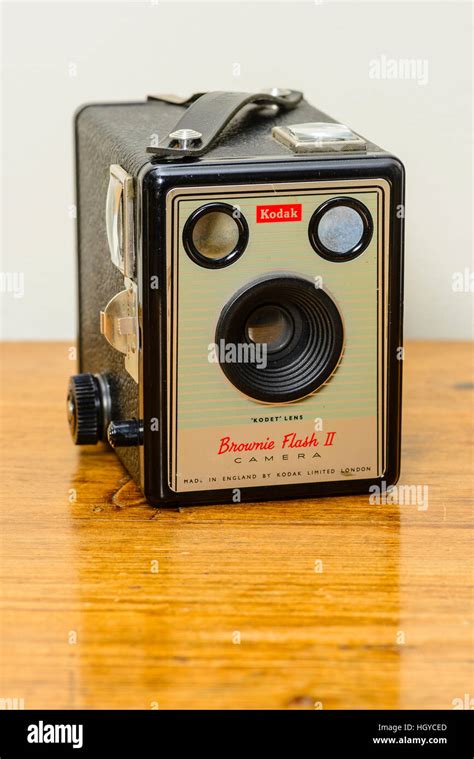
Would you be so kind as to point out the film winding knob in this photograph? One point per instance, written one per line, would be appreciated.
(84, 409)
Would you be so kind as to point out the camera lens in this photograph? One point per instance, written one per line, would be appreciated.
(340, 229)
(271, 326)
(215, 235)
(300, 341)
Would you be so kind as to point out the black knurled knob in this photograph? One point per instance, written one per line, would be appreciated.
(84, 409)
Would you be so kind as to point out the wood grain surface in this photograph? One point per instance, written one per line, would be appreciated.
(331, 603)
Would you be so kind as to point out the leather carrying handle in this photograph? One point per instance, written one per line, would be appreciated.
(208, 114)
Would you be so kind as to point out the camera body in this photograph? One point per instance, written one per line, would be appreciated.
(240, 267)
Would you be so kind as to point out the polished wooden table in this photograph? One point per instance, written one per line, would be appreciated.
(331, 603)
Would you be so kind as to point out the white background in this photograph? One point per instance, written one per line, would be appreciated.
(122, 51)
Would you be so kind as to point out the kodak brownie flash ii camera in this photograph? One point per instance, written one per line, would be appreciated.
(240, 298)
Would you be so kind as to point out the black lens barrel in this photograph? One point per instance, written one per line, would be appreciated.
(306, 362)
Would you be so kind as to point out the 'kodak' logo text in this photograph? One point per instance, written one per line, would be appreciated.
(289, 212)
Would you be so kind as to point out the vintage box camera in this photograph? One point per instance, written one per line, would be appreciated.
(240, 298)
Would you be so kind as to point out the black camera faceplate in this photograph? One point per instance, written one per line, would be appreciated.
(156, 180)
